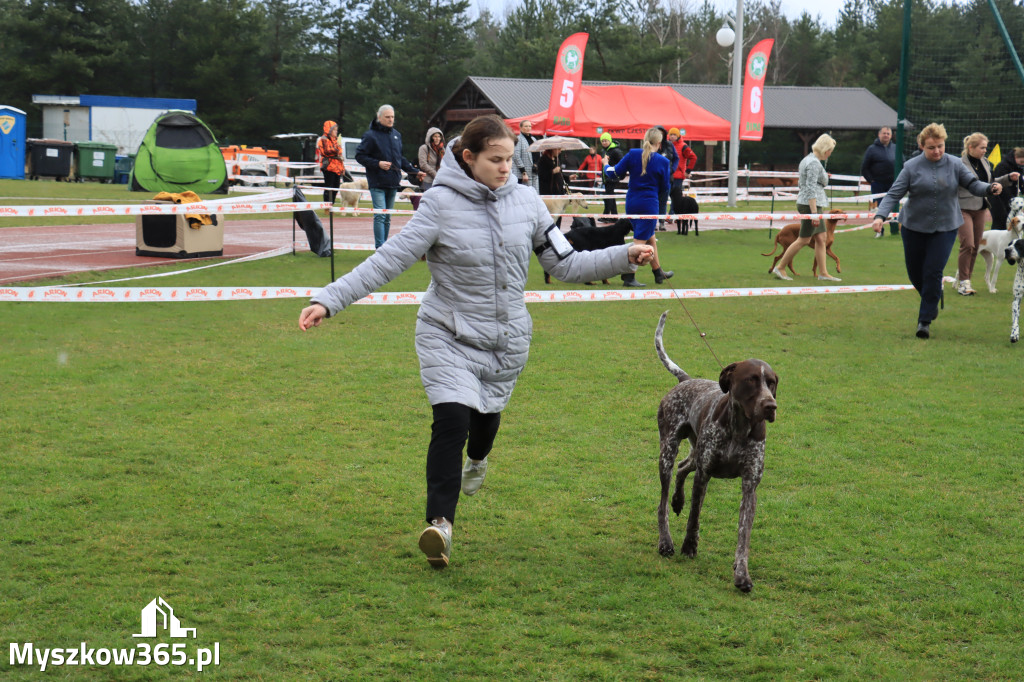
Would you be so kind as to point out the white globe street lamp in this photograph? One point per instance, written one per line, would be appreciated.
(725, 36)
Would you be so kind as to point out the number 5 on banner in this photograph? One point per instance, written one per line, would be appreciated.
(567, 94)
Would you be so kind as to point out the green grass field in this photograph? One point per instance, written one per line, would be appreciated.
(269, 485)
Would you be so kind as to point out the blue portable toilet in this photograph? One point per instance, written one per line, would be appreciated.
(12, 143)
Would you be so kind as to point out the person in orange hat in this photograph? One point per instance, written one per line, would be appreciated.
(332, 159)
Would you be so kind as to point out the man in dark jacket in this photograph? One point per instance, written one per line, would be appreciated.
(1000, 204)
(879, 167)
(612, 155)
(380, 152)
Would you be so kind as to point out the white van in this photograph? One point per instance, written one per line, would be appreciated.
(348, 146)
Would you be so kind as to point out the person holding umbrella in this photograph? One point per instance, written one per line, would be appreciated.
(549, 170)
(549, 173)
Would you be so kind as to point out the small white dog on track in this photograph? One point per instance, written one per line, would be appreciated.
(560, 204)
(994, 242)
(350, 199)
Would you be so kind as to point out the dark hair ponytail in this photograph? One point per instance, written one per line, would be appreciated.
(480, 132)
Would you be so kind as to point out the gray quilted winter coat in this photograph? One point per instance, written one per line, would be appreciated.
(473, 330)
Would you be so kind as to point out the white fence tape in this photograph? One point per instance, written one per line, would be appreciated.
(85, 294)
(267, 202)
(240, 205)
(718, 175)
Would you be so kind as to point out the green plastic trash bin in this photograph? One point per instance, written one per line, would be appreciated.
(95, 160)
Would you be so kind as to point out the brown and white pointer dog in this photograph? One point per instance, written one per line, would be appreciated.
(725, 423)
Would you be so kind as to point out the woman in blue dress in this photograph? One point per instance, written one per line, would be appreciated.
(650, 175)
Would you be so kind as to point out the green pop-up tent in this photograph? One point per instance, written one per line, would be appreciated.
(179, 153)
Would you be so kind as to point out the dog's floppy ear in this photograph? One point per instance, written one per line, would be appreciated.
(1014, 251)
(725, 378)
(721, 413)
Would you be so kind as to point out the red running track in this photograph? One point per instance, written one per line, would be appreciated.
(29, 253)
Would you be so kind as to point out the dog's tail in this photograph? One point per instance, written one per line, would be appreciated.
(665, 360)
(774, 248)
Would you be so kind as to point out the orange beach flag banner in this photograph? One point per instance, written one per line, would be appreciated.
(566, 85)
(752, 115)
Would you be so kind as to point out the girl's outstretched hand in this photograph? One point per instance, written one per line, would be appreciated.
(311, 316)
(641, 254)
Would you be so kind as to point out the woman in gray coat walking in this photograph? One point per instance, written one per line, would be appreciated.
(477, 227)
(931, 216)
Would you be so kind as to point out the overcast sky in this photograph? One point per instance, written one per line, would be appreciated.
(827, 10)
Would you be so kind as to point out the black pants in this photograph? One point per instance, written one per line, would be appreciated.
(453, 423)
(676, 193)
(1000, 210)
(609, 204)
(926, 255)
(331, 180)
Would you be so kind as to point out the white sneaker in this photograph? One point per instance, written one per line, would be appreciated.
(781, 275)
(878, 235)
(963, 288)
(473, 475)
(436, 543)
(829, 278)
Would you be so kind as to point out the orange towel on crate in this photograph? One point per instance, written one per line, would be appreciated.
(195, 220)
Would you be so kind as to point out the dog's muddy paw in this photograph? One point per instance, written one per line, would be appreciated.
(743, 583)
(690, 548)
(666, 548)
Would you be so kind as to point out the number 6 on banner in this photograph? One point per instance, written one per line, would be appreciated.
(755, 100)
(567, 94)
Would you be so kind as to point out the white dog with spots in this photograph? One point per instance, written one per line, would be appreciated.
(1015, 254)
(994, 242)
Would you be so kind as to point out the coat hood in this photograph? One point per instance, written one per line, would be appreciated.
(430, 133)
(451, 174)
(377, 125)
(327, 127)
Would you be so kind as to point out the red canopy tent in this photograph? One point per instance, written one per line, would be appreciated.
(627, 111)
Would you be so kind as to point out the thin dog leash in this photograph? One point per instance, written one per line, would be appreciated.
(703, 336)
